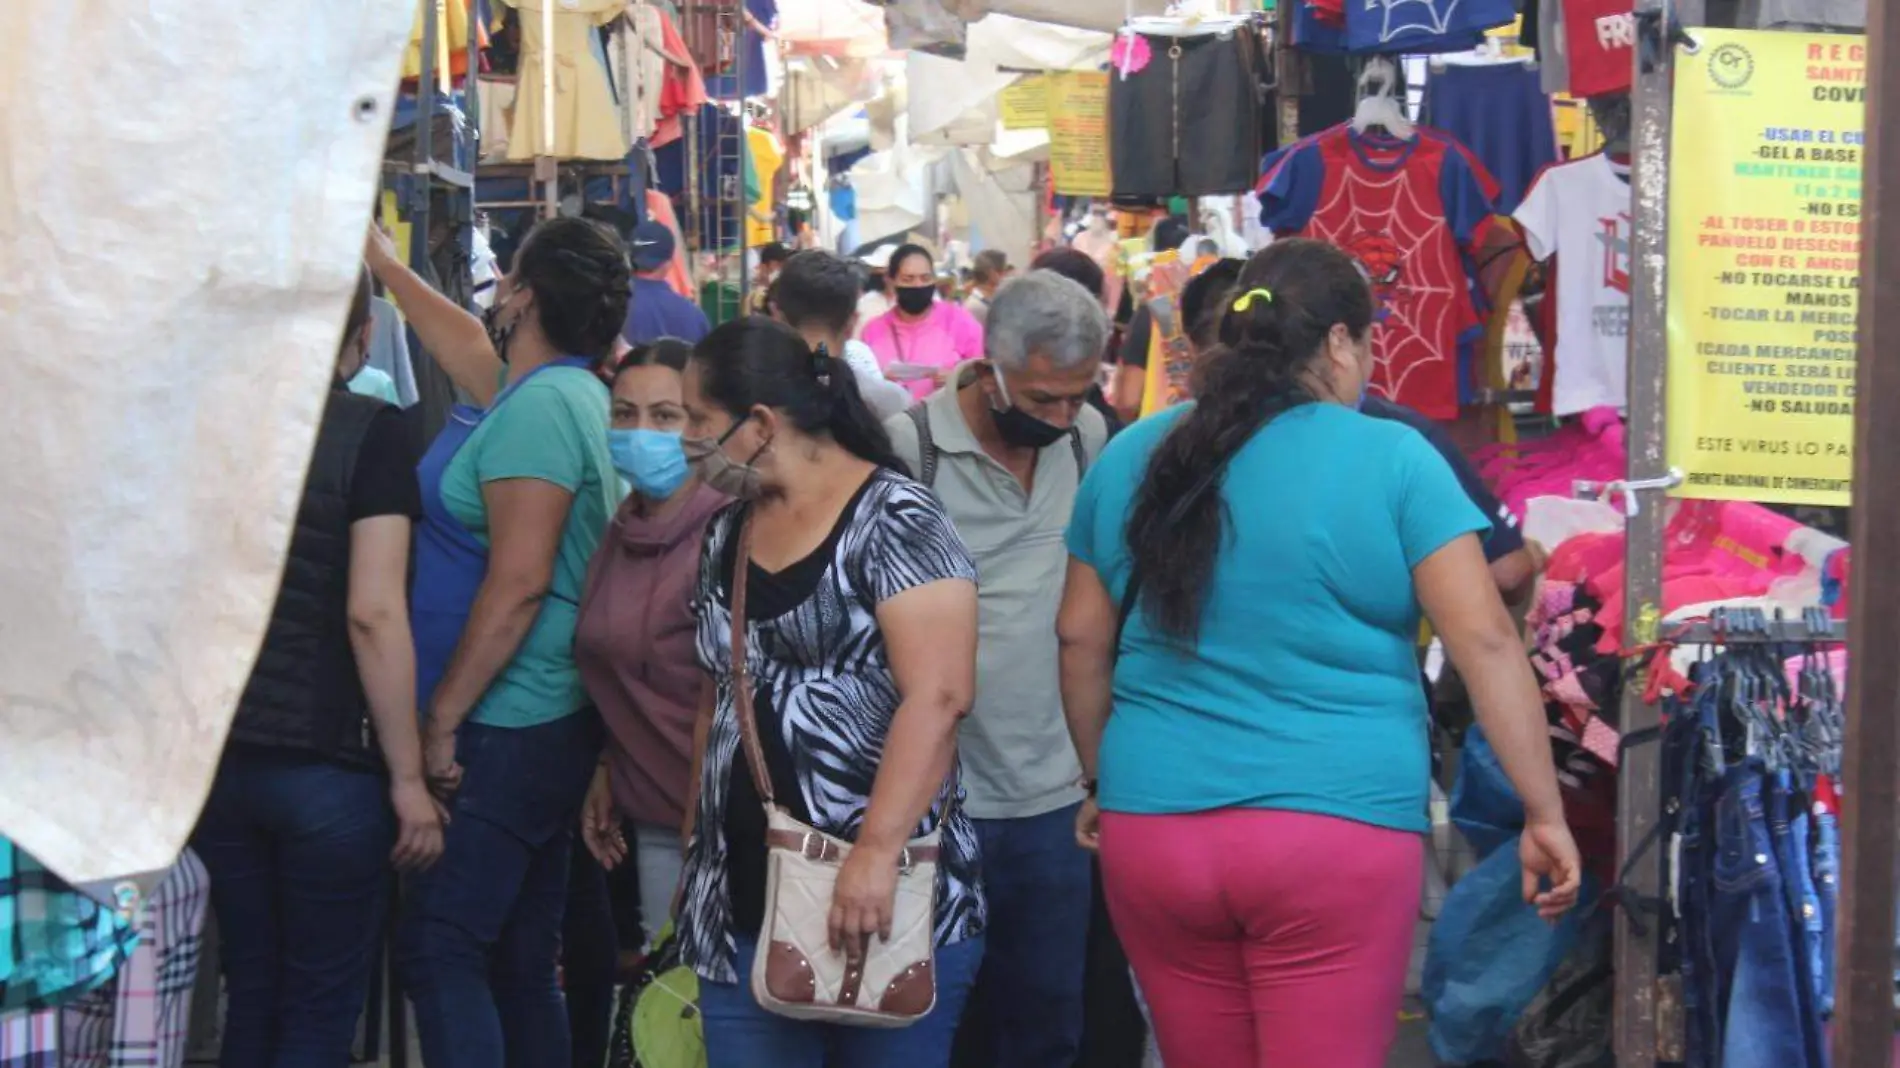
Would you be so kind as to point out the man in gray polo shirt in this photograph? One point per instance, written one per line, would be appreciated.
(1004, 446)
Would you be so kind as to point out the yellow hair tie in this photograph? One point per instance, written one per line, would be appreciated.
(1245, 301)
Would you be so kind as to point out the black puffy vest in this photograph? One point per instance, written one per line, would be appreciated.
(305, 693)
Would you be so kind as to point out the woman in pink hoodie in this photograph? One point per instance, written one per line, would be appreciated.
(634, 640)
(920, 340)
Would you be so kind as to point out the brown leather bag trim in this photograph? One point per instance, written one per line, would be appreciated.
(789, 976)
(912, 993)
(827, 850)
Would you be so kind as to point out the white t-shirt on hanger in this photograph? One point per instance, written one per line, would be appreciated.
(1580, 212)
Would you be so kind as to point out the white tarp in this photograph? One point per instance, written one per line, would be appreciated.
(943, 90)
(182, 213)
(1103, 15)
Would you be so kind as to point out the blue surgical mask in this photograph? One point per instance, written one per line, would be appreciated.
(651, 459)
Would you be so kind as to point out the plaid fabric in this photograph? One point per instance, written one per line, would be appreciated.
(55, 942)
(140, 1019)
(29, 1039)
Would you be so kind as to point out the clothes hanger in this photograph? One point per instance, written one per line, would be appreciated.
(1378, 101)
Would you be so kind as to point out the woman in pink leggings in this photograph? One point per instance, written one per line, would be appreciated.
(1245, 587)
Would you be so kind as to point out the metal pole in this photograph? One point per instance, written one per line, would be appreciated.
(545, 168)
(1640, 1021)
(420, 177)
(1864, 1012)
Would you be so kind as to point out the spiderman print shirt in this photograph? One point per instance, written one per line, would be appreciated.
(1412, 213)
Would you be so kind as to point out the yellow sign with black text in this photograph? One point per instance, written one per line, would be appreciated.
(1764, 265)
(1078, 134)
(1025, 105)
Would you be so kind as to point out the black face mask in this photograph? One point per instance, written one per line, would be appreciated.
(916, 300)
(1019, 428)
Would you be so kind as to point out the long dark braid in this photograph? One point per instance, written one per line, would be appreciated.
(1263, 366)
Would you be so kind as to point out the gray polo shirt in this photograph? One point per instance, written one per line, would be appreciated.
(1017, 757)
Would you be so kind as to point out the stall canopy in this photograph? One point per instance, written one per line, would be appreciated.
(845, 28)
(217, 225)
(943, 91)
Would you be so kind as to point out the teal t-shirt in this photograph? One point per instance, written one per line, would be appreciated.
(1303, 693)
(553, 428)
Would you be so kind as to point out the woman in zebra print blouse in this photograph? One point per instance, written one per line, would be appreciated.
(861, 616)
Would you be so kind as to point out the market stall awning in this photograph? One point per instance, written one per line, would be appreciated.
(850, 28)
(1000, 50)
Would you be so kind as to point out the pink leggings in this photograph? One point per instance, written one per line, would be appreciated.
(1265, 939)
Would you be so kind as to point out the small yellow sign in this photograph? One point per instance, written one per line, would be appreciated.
(1078, 134)
(1025, 105)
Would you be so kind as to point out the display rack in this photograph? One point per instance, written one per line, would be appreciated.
(1649, 1014)
(725, 21)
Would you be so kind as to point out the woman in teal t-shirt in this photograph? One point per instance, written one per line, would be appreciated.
(1263, 777)
(517, 494)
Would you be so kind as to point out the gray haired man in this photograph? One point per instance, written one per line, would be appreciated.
(1005, 447)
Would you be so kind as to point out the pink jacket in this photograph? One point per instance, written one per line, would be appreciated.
(634, 644)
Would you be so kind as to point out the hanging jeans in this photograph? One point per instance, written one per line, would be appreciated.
(1751, 933)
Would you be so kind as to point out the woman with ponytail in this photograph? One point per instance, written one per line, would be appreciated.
(1246, 579)
(860, 613)
(516, 494)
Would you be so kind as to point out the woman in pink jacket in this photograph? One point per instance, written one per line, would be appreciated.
(634, 640)
(921, 339)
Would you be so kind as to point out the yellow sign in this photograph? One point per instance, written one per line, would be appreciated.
(1025, 105)
(1764, 265)
(1078, 134)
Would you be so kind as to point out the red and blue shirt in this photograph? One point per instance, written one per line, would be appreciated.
(1413, 214)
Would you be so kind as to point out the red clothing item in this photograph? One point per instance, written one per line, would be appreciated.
(1600, 38)
(1413, 213)
(683, 91)
(634, 645)
(660, 210)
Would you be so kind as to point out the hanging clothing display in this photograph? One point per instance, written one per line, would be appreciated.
(586, 125)
(1413, 213)
(451, 30)
(1186, 122)
(1579, 212)
(1419, 27)
(1500, 112)
(1599, 46)
(389, 351)
(683, 91)
(1753, 858)
(727, 182)
(660, 210)
(768, 158)
(750, 79)
(639, 58)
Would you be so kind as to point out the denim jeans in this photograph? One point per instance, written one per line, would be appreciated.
(298, 854)
(1684, 750)
(1789, 831)
(481, 930)
(740, 1034)
(1026, 1011)
(1751, 932)
(1827, 887)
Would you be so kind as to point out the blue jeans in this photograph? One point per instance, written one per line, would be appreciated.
(298, 854)
(1827, 887)
(740, 1034)
(481, 930)
(1752, 933)
(1026, 1011)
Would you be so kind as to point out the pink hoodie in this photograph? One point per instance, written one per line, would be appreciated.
(941, 340)
(634, 645)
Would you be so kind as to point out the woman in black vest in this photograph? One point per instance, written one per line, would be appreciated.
(323, 772)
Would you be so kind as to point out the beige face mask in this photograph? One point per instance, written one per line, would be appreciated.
(723, 473)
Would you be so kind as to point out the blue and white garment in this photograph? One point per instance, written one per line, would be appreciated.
(824, 690)
(1415, 27)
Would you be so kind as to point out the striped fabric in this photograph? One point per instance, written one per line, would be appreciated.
(139, 1019)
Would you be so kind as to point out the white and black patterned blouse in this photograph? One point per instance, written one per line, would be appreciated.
(824, 698)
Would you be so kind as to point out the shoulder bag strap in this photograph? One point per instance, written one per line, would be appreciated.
(741, 674)
(926, 446)
(1081, 453)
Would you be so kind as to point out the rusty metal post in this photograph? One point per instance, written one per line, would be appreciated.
(1864, 1014)
(1639, 775)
